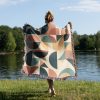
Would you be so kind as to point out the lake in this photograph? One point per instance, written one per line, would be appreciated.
(88, 66)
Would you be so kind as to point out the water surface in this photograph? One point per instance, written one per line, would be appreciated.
(88, 66)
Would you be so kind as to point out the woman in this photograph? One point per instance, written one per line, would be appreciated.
(48, 29)
(52, 30)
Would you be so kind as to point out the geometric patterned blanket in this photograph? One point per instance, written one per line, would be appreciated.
(48, 55)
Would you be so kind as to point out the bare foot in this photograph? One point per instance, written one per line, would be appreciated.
(52, 92)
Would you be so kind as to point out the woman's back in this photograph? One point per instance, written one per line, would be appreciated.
(52, 29)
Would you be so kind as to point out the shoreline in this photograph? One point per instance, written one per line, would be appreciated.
(7, 53)
(16, 52)
(87, 50)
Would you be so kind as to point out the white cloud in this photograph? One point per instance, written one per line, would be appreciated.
(84, 6)
(10, 2)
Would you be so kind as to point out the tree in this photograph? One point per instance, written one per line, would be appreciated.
(83, 42)
(91, 42)
(19, 38)
(3, 36)
(7, 35)
(2, 40)
(10, 42)
(98, 40)
(76, 40)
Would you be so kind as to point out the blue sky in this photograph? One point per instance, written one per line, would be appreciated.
(84, 14)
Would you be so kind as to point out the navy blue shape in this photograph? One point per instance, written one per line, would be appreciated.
(34, 61)
(40, 53)
(43, 72)
(53, 59)
(44, 29)
(28, 29)
(28, 58)
(66, 36)
(36, 45)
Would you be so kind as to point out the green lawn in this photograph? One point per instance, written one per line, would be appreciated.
(37, 90)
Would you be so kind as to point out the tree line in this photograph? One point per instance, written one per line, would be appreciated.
(12, 39)
(87, 42)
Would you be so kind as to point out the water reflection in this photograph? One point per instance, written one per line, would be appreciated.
(10, 65)
(88, 66)
(98, 59)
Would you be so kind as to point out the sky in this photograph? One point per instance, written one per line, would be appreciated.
(84, 14)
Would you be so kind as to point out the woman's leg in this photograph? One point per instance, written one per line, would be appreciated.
(51, 86)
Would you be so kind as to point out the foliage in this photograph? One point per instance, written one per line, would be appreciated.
(19, 38)
(91, 42)
(76, 38)
(37, 90)
(86, 42)
(10, 42)
(3, 36)
(11, 39)
(98, 40)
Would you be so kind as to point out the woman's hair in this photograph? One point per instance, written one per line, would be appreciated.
(48, 17)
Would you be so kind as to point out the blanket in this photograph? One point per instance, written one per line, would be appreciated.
(48, 55)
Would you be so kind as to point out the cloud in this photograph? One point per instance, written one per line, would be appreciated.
(10, 2)
(84, 6)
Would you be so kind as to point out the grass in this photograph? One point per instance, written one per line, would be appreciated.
(37, 90)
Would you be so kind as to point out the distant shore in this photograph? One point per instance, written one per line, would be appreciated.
(6, 53)
(87, 50)
(16, 52)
